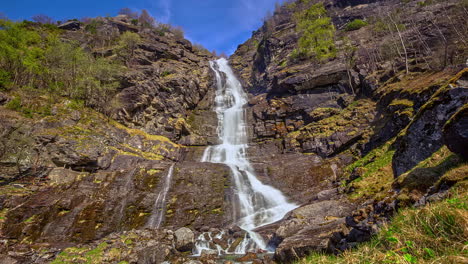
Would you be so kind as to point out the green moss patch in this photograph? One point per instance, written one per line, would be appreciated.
(376, 175)
(347, 120)
(82, 255)
(355, 24)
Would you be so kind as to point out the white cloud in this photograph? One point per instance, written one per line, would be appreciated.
(162, 9)
(165, 6)
(249, 13)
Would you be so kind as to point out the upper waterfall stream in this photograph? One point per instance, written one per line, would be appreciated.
(257, 204)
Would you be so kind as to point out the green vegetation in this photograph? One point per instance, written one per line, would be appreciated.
(347, 120)
(375, 173)
(82, 255)
(433, 234)
(93, 26)
(403, 102)
(14, 104)
(425, 3)
(355, 24)
(36, 62)
(318, 33)
(127, 45)
(20, 53)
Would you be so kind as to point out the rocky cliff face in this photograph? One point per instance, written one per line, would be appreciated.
(167, 78)
(75, 176)
(286, 90)
(359, 119)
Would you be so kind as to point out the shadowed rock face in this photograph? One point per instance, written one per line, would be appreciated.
(82, 207)
(455, 134)
(425, 135)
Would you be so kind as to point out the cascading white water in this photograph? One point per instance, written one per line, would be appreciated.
(159, 209)
(258, 204)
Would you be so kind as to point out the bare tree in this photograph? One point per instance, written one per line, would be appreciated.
(43, 19)
(128, 12)
(277, 6)
(223, 55)
(146, 19)
(86, 20)
(178, 32)
(402, 42)
(349, 51)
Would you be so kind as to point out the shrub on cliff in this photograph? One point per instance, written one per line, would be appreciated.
(74, 73)
(318, 33)
(128, 43)
(355, 24)
(34, 61)
(20, 53)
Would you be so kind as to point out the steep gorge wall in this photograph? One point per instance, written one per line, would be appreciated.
(354, 130)
(76, 175)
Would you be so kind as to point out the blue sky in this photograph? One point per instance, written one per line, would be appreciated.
(218, 25)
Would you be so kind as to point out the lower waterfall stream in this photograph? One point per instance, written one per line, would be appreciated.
(157, 216)
(256, 204)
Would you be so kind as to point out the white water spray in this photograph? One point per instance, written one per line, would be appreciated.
(159, 209)
(258, 204)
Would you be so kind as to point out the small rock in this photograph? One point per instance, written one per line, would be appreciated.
(4, 98)
(75, 116)
(7, 260)
(184, 239)
(327, 194)
(193, 262)
(208, 255)
(357, 235)
(70, 25)
(250, 256)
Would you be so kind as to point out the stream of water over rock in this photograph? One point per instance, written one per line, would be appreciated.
(159, 208)
(257, 204)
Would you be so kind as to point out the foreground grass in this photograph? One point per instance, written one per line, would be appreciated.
(437, 233)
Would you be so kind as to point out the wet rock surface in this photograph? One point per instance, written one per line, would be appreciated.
(199, 196)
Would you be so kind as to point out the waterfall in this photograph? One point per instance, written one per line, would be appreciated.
(159, 208)
(258, 204)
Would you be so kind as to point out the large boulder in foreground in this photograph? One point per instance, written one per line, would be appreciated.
(456, 133)
(309, 228)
